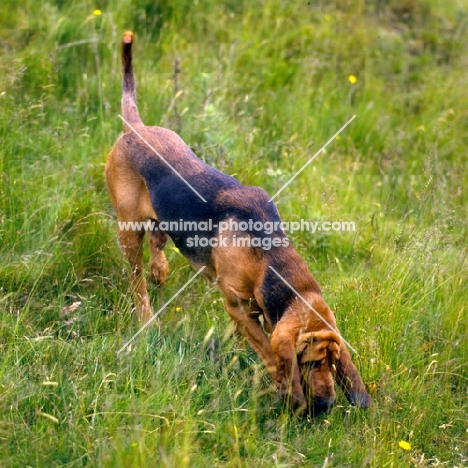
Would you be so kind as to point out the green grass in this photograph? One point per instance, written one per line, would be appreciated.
(264, 86)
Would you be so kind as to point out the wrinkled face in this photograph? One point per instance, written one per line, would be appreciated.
(316, 357)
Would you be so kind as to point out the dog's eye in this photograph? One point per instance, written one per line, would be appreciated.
(318, 364)
(314, 364)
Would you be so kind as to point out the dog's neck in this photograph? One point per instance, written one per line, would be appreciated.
(288, 285)
(310, 313)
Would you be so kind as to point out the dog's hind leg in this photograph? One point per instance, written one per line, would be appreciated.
(132, 244)
(132, 204)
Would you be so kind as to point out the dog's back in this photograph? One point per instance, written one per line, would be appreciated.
(171, 171)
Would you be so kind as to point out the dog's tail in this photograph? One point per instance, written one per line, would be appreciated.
(129, 107)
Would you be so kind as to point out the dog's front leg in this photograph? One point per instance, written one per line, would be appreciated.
(350, 381)
(249, 326)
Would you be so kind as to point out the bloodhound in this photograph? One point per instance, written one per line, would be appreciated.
(153, 177)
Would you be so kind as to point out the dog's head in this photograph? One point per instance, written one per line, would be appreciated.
(317, 353)
(306, 369)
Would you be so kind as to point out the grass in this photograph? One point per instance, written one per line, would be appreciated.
(262, 86)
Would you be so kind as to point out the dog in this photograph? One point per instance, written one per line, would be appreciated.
(270, 295)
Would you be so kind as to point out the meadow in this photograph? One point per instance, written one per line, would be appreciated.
(255, 88)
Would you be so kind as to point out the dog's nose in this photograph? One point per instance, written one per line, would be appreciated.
(323, 405)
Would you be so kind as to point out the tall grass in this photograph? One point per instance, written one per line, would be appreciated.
(261, 87)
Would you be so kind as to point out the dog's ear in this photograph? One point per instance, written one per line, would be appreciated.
(315, 345)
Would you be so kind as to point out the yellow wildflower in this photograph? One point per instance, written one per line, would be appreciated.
(352, 79)
(404, 445)
(97, 12)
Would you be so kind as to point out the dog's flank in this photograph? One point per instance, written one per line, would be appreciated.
(144, 183)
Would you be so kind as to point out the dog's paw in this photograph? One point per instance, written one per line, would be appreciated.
(159, 271)
(360, 399)
(144, 312)
(298, 406)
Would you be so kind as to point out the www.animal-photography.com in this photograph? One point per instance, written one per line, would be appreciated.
(233, 233)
